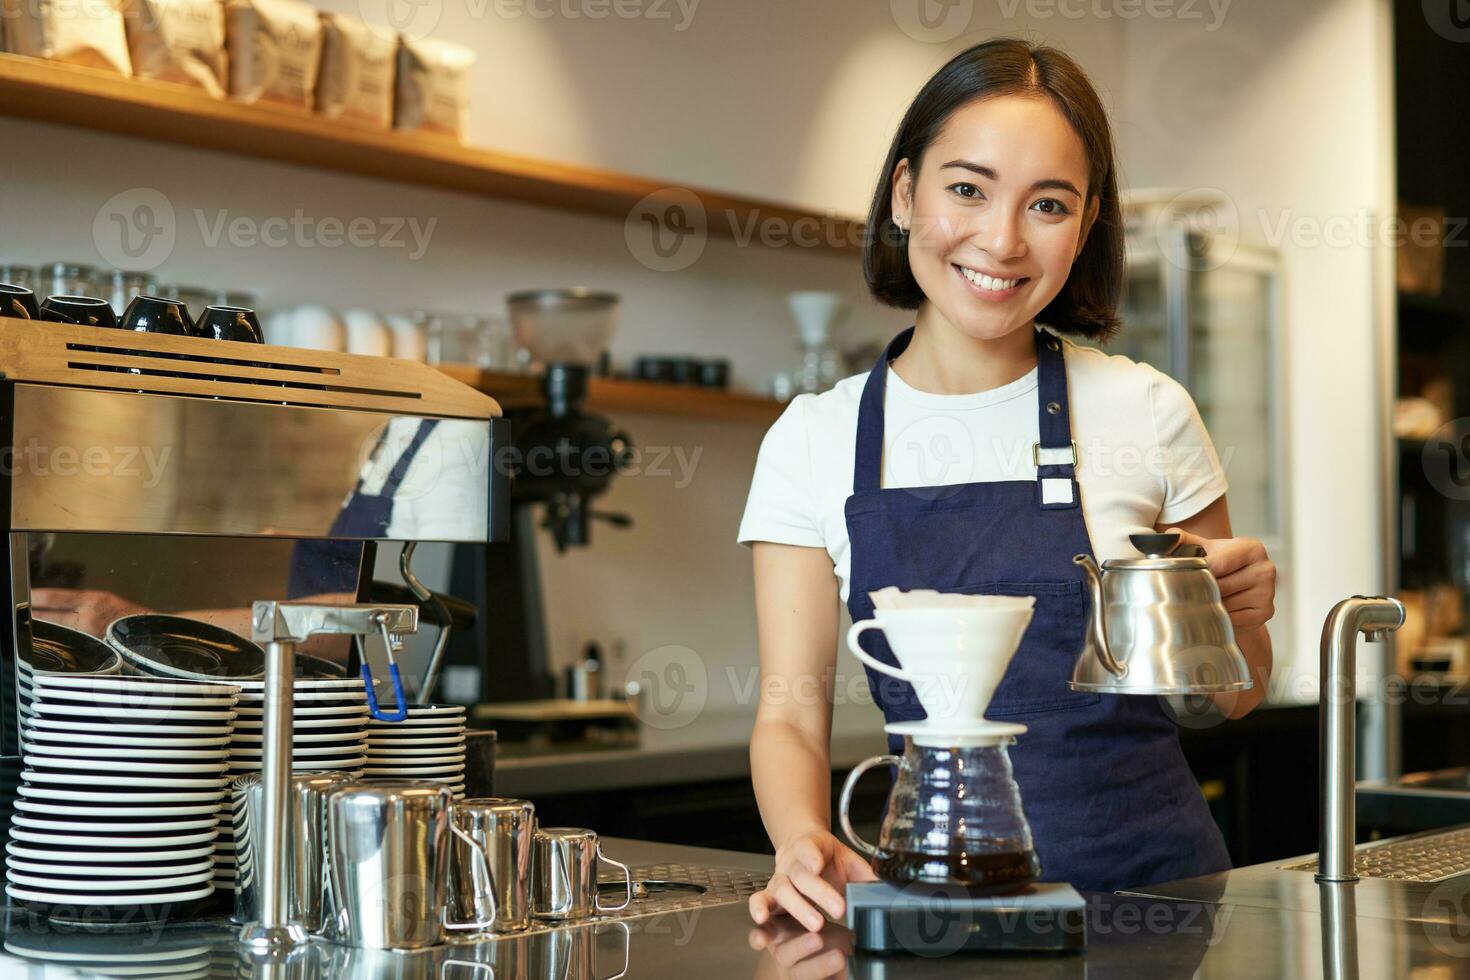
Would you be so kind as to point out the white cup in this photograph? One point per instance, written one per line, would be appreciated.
(317, 328)
(954, 658)
(367, 334)
(410, 339)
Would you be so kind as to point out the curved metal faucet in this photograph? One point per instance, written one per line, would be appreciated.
(1373, 616)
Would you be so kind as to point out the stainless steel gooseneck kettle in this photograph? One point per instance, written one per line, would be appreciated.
(1158, 625)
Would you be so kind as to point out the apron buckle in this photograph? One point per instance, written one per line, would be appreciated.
(1036, 451)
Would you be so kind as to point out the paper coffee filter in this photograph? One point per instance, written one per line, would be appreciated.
(895, 598)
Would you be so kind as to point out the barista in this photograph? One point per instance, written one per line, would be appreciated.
(996, 219)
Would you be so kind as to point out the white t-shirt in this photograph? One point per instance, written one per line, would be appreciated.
(1144, 457)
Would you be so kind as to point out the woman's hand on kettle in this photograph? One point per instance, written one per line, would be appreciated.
(812, 871)
(1246, 576)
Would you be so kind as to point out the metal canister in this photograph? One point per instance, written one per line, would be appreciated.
(305, 845)
(504, 828)
(564, 874)
(389, 853)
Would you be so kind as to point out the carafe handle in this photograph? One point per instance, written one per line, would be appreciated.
(484, 880)
(867, 658)
(845, 800)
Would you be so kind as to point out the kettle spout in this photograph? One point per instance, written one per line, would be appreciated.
(1095, 623)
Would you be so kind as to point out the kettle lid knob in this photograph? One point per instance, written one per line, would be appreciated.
(1155, 545)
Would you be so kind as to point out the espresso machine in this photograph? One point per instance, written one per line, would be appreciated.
(133, 449)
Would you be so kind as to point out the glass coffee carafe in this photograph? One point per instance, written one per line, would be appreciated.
(953, 819)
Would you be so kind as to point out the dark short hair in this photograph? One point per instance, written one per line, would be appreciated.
(1088, 303)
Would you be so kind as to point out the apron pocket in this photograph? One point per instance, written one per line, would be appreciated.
(1037, 677)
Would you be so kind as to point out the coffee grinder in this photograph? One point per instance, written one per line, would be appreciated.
(564, 457)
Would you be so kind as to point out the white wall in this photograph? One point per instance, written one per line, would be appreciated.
(1284, 109)
(792, 102)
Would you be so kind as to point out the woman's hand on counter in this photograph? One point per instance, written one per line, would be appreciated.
(812, 872)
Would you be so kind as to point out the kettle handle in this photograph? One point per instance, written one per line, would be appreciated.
(845, 800)
(867, 658)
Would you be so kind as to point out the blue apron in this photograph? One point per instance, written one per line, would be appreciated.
(1104, 784)
(319, 567)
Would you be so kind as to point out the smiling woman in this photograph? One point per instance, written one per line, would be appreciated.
(979, 456)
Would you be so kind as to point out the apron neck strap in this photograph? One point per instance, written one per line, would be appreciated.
(1055, 423)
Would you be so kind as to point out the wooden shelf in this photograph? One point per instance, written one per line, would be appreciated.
(614, 395)
(169, 113)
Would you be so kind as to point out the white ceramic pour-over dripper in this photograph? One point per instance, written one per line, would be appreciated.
(954, 656)
(816, 313)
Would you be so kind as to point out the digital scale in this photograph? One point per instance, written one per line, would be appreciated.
(937, 920)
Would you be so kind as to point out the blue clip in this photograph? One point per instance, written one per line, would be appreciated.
(372, 694)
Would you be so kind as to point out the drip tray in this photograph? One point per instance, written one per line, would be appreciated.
(1428, 858)
(666, 888)
(671, 887)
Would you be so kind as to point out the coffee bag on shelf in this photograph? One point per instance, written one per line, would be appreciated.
(179, 41)
(433, 86)
(275, 49)
(356, 82)
(77, 32)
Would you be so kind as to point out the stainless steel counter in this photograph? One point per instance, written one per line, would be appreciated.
(1236, 925)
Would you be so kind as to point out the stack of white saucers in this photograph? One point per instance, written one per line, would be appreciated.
(428, 744)
(120, 797)
(59, 650)
(103, 954)
(329, 732)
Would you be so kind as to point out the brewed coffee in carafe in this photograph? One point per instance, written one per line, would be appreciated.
(954, 818)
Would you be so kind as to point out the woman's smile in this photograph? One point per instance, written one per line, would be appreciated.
(991, 289)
